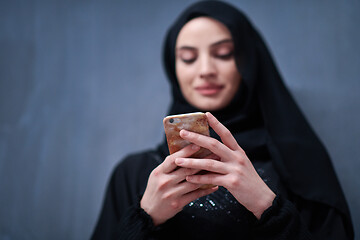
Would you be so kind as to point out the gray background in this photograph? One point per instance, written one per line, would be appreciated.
(82, 85)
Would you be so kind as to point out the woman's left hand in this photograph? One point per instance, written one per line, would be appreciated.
(233, 170)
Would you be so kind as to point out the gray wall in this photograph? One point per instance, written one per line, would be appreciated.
(81, 85)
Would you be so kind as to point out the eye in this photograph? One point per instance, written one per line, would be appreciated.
(187, 56)
(223, 51)
(225, 56)
(188, 61)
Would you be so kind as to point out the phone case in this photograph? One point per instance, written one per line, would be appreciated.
(194, 122)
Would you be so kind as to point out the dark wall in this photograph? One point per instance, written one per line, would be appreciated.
(82, 85)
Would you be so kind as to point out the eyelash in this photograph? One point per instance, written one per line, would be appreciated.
(223, 57)
(189, 61)
(226, 56)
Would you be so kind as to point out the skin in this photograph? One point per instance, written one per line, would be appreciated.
(201, 46)
(205, 65)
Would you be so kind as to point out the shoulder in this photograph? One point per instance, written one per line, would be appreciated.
(136, 166)
(143, 159)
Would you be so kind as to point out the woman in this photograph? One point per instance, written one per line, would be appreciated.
(274, 177)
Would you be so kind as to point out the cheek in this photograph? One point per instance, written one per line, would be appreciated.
(233, 79)
(185, 75)
(230, 73)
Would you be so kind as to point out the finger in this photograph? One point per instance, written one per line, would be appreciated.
(178, 190)
(180, 174)
(202, 164)
(213, 156)
(187, 198)
(226, 137)
(209, 178)
(186, 187)
(207, 142)
(168, 165)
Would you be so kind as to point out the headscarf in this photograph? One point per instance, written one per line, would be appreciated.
(263, 117)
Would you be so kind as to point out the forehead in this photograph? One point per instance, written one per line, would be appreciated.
(202, 31)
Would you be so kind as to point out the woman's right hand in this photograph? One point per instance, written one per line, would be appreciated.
(167, 192)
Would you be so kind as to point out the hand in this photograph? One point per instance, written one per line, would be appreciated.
(167, 192)
(233, 171)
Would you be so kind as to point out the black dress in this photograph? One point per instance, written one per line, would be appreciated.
(216, 216)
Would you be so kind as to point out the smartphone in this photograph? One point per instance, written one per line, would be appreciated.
(194, 122)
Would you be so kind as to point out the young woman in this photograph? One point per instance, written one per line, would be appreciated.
(274, 178)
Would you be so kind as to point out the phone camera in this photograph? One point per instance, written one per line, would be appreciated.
(171, 120)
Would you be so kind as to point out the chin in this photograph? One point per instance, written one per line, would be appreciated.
(210, 106)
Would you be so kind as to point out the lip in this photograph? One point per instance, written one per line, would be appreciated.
(209, 90)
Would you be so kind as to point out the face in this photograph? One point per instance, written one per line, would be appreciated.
(205, 64)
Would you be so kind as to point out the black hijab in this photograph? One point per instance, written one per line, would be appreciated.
(263, 116)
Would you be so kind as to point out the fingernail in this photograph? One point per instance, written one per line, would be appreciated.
(179, 161)
(184, 132)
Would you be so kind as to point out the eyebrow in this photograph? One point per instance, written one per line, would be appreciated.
(212, 45)
(222, 41)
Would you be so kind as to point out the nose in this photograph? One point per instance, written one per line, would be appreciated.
(207, 68)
